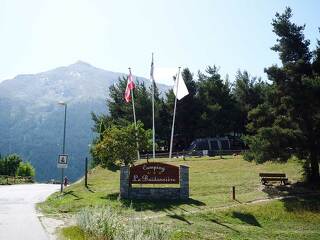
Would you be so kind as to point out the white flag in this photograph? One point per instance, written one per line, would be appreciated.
(179, 88)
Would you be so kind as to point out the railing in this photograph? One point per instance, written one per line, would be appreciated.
(199, 153)
(7, 180)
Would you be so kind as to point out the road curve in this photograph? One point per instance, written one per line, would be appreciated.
(18, 216)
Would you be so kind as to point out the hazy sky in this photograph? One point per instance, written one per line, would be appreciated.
(38, 35)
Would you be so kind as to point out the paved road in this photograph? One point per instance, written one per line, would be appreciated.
(18, 216)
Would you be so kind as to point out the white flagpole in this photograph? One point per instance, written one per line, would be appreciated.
(134, 119)
(153, 126)
(174, 113)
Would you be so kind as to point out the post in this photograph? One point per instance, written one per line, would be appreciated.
(64, 143)
(134, 119)
(233, 193)
(153, 125)
(184, 182)
(86, 173)
(124, 182)
(174, 114)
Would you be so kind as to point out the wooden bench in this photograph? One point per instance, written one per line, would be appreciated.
(273, 177)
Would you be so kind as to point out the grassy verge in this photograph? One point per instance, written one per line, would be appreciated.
(285, 219)
(211, 180)
(73, 233)
(297, 218)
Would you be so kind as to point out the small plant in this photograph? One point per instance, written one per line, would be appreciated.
(107, 223)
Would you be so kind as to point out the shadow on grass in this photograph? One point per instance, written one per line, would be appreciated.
(179, 217)
(71, 192)
(88, 187)
(214, 220)
(246, 218)
(300, 196)
(154, 205)
(222, 224)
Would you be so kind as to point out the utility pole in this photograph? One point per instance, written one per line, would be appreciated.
(64, 141)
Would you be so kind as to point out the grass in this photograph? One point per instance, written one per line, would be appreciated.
(297, 218)
(285, 219)
(211, 180)
(73, 233)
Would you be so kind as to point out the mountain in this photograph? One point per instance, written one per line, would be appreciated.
(31, 120)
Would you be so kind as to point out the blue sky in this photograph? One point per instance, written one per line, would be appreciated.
(38, 35)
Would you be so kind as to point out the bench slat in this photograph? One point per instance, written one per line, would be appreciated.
(272, 174)
(274, 179)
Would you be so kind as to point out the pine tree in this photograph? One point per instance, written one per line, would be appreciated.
(288, 123)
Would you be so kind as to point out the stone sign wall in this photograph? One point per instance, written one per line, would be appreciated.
(154, 173)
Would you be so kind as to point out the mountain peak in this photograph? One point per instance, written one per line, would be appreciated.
(81, 64)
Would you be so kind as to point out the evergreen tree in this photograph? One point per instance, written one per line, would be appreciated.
(216, 104)
(248, 92)
(293, 105)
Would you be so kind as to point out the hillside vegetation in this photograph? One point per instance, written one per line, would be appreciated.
(211, 180)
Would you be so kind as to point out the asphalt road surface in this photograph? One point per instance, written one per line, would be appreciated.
(18, 216)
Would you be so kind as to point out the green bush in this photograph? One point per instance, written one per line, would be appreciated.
(25, 169)
(9, 164)
(118, 145)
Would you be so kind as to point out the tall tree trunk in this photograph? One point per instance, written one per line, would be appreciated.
(314, 166)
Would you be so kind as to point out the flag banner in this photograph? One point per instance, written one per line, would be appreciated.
(179, 88)
(130, 86)
(152, 70)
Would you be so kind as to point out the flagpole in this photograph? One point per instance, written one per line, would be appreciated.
(174, 113)
(134, 119)
(153, 127)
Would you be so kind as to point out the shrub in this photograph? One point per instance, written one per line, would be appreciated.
(9, 164)
(107, 223)
(25, 169)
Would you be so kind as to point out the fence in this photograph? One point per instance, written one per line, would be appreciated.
(193, 153)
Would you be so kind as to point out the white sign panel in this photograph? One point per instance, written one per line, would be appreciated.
(63, 161)
(205, 152)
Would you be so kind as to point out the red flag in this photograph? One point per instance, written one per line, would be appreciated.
(130, 86)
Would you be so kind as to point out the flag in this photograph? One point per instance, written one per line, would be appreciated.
(152, 70)
(130, 86)
(179, 88)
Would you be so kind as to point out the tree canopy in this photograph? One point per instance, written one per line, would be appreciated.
(277, 118)
(288, 121)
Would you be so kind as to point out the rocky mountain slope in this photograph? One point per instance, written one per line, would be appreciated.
(31, 120)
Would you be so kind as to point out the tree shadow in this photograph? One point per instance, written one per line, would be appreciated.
(246, 218)
(223, 225)
(154, 205)
(179, 217)
(213, 220)
(299, 196)
(71, 192)
(89, 188)
(111, 196)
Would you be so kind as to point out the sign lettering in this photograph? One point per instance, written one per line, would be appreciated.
(154, 173)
